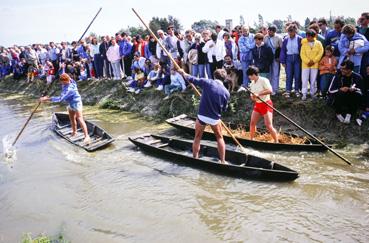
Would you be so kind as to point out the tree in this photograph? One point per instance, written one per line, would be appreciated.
(204, 25)
(157, 23)
(280, 25)
(307, 22)
(133, 31)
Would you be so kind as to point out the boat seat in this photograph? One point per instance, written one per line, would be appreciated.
(162, 145)
(154, 142)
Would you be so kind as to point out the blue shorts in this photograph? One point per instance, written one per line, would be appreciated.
(75, 106)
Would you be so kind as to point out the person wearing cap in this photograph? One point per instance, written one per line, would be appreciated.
(214, 101)
(71, 95)
(274, 41)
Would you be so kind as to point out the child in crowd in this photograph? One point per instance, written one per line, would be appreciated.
(231, 80)
(153, 76)
(138, 82)
(50, 72)
(82, 73)
(177, 83)
(327, 68)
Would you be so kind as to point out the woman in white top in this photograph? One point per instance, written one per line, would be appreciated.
(260, 87)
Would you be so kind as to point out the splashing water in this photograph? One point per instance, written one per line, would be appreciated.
(8, 149)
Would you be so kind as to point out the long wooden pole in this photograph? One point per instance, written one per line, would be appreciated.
(89, 25)
(302, 129)
(178, 67)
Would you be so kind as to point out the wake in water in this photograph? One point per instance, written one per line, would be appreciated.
(8, 149)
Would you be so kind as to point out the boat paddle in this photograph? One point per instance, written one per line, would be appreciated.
(302, 129)
(192, 85)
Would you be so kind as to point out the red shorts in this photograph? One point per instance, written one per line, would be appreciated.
(263, 108)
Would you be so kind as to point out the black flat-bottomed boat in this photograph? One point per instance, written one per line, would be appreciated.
(99, 138)
(187, 124)
(238, 164)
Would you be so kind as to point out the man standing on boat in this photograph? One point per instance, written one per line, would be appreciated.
(214, 100)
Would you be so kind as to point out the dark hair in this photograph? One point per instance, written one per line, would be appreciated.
(340, 22)
(291, 27)
(124, 34)
(74, 42)
(214, 36)
(315, 27)
(259, 36)
(311, 32)
(252, 70)
(322, 21)
(365, 15)
(220, 74)
(272, 28)
(329, 48)
(348, 65)
(226, 34)
(348, 29)
(227, 56)
(218, 26)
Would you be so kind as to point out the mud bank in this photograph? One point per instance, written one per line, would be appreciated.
(313, 115)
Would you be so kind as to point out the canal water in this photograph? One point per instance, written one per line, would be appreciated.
(120, 194)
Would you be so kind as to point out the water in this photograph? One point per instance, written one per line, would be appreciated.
(122, 195)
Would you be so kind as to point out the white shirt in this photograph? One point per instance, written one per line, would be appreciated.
(260, 85)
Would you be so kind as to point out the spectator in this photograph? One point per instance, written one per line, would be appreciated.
(311, 53)
(365, 114)
(333, 36)
(97, 61)
(219, 47)
(275, 42)
(114, 58)
(197, 57)
(139, 46)
(103, 48)
(352, 45)
(363, 29)
(323, 26)
(177, 83)
(209, 49)
(230, 46)
(346, 89)
(291, 61)
(262, 56)
(31, 59)
(125, 49)
(327, 67)
(231, 79)
(246, 43)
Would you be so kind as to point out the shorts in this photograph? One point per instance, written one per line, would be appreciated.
(263, 108)
(75, 106)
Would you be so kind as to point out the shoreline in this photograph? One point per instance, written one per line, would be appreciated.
(313, 115)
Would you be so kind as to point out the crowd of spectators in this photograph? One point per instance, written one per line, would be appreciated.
(318, 62)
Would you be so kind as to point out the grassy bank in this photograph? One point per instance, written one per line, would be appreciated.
(315, 116)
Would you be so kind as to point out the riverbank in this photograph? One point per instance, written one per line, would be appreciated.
(313, 115)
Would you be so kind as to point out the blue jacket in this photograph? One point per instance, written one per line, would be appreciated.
(69, 94)
(214, 98)
(283, 55)
(246, 44)
(344, 47)
(125, 48)
(262, 58)
(332, 38)
(82, 52)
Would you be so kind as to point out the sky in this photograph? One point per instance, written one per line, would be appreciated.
(25, 22)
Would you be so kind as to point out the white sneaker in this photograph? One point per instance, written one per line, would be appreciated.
(298, 95)
(130, 89)
(303, 97)
(359, 122)
(160, 87)
(147, 85)
(347, 119)
(166, 97)
(340, 118)
(241, 89)
(137, 91)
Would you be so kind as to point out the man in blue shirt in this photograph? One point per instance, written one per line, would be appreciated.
(214, 100)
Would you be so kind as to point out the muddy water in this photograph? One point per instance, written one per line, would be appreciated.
(122, 195)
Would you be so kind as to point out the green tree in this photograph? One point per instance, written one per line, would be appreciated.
(204, 24)
(280, 25)
(157, 23)
(307, 22)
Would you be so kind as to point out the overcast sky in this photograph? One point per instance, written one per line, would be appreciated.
(40, 21)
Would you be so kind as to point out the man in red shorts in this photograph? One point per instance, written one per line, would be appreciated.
(260, 87)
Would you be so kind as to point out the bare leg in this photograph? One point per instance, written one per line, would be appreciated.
(217, 129)
(199, 129)
(82, 123)
(255, 117)
(268, 119)
(73, 123)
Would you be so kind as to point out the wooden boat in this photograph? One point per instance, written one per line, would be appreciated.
(99, 138)
(187, 124)
(239, 164)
